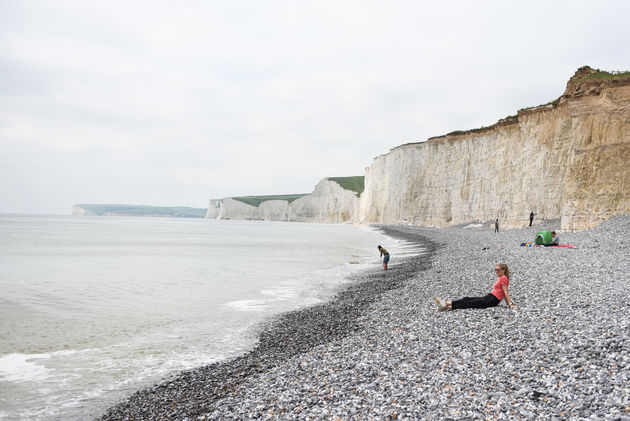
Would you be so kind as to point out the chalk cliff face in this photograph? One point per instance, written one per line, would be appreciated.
(597, 185)
(570, 160)
(214, 207)
(274, 210)
(328, 203)
(79, 210)
(235, 209)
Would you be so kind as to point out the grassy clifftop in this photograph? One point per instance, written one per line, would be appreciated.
(355, 184)
(601, 74)
(141, 210)
(257, 200)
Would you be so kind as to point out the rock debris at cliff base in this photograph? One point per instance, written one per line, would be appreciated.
(381, 350)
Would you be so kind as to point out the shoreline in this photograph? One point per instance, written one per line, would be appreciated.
(389, 354)
(193, 392)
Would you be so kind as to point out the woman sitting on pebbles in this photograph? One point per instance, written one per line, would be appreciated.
(499, 292)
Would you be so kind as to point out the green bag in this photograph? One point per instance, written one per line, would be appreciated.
(543, 237)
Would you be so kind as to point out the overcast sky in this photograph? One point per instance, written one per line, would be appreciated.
(174, 103)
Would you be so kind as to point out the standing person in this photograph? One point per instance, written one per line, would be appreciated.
(499, 292)
(496, 225)
(531, 218)
(385, 256)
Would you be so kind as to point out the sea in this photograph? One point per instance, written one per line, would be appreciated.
(95, 308)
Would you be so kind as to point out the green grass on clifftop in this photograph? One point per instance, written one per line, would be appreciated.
(257, 200)
(600, 74)
(355, 184)
(141, 210)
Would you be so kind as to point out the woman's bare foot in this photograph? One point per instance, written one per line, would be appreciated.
(440, 304)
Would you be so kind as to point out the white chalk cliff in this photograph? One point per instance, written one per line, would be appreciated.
(569, 159)
(328, 203)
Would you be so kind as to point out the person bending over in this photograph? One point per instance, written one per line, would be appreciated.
(499, 292)
(385, 256)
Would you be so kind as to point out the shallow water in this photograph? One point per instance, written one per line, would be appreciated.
(93, 308)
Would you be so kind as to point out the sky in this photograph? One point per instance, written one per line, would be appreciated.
(173, 103)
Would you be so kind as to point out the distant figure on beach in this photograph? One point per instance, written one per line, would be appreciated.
(499, 292)
(531, 218)
(385, 256)
(496, 225)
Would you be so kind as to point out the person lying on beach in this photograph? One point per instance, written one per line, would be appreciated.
(499, 292)
(385, 255)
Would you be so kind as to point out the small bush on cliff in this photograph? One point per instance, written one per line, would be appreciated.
(554, 103)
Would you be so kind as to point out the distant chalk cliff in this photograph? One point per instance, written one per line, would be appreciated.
(137, 210)
(334, 200)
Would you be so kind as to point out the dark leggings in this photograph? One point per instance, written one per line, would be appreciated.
(476, 302)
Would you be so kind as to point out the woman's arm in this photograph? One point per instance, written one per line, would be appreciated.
(508, 299)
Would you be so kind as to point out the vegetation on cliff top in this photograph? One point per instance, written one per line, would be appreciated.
(584, 73)
(257, 200)
(552, 103)
(601, 74)
(355, 184)
(140, 210)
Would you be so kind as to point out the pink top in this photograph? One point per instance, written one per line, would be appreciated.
(497, 289)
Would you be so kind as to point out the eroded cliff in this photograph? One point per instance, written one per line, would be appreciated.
(567, 160)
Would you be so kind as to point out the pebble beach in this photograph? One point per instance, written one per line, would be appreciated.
(380, 349)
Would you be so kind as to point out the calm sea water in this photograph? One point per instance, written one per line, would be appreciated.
(94, 308)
